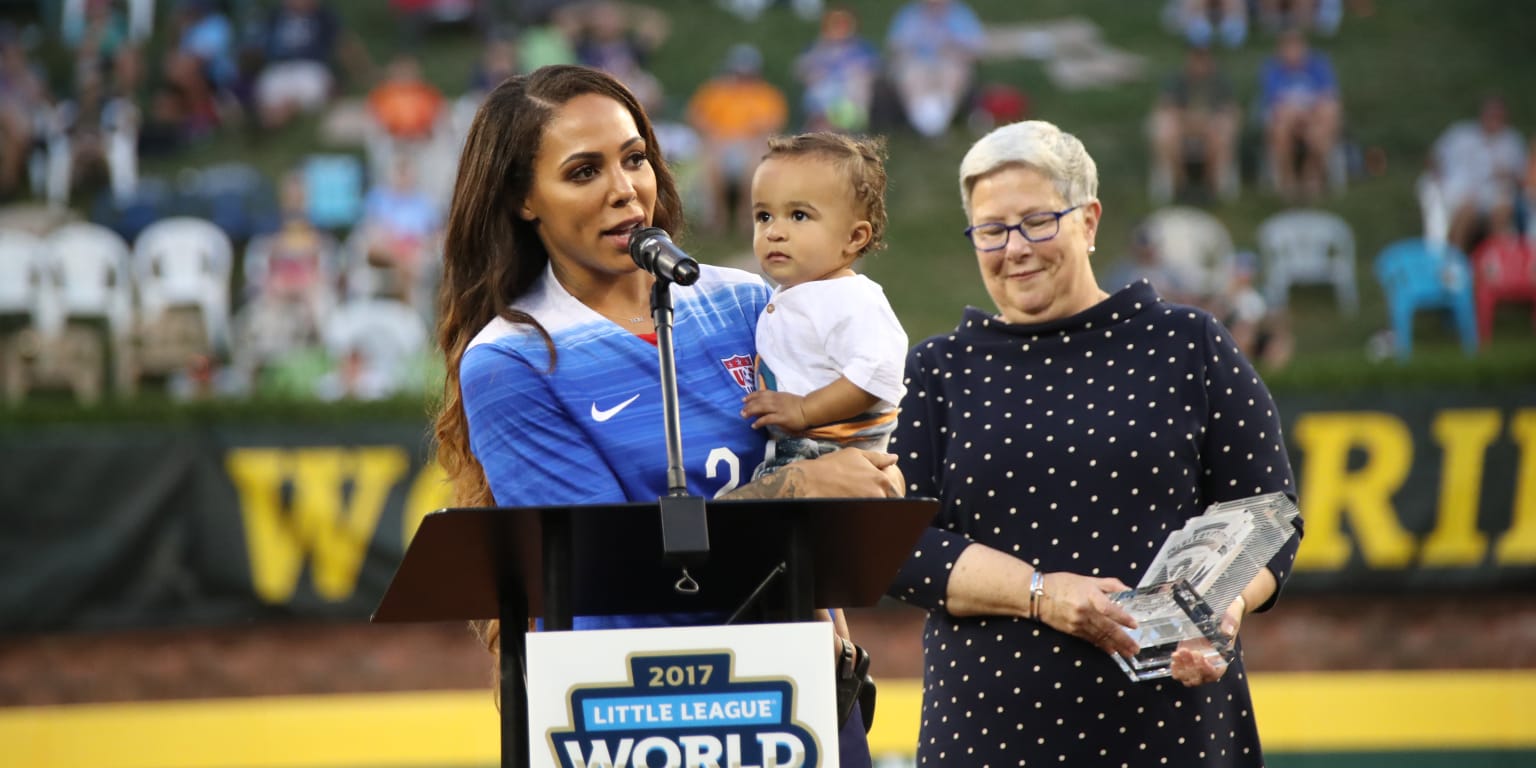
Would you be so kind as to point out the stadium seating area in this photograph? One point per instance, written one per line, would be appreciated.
(199, 237)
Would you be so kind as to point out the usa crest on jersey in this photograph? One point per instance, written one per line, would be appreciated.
(740, 368)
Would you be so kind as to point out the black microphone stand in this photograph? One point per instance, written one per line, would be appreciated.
(684, 526)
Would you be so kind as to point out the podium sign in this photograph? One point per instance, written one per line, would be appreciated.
(759, 695)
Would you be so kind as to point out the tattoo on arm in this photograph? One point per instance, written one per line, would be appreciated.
(788, 482)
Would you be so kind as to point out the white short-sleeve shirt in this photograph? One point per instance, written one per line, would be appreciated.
(812, 333)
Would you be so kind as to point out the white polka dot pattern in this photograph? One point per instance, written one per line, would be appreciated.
(1076, 445)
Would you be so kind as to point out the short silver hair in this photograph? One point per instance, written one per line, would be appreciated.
(1036, 144)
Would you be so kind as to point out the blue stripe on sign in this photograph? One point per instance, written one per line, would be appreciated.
(671, 712)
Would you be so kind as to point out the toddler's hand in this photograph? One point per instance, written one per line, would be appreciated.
(778, 409)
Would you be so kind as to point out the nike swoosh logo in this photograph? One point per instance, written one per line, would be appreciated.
(606, 414)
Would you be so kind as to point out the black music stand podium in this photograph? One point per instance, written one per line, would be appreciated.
(514, 563)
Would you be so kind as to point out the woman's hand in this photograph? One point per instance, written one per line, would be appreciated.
(1191, 666)
(1079, 605)
(851, 473)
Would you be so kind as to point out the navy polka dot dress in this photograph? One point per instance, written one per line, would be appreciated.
(1077, 445)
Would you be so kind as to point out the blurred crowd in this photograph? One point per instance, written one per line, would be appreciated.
(1475, 192)
(321, 282)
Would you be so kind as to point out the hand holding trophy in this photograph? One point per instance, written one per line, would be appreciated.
(1200, 570)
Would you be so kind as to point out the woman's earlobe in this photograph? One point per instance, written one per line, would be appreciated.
(527, 214)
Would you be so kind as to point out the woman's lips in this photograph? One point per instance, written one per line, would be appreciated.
(620, 235)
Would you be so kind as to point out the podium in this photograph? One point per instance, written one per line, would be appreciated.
(779, 560)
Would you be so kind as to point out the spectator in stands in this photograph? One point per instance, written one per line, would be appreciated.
(401, 226)
(734, 114)
(838, 72)
(1528, 196)
(1146, 263)
(497, 62)
(1261, 332)
(1320, 16)
(199, 76)
(208, 36)
(404, 104)
(83, 120)
(1205, 22)
(1299, 97)
(618, 38)
(104, 50)
(303, 40)
(290, 301)
(414, 16)
(185, 108)
(750, 10)
(1478, 165)
(933, 46)
(1196, 111)
(548, 38)
(23, 96)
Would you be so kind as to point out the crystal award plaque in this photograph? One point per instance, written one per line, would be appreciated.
(1200, 570)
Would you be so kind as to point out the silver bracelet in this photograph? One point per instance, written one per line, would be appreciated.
(1036, 591)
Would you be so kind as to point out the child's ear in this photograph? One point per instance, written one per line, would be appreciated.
(859, 238)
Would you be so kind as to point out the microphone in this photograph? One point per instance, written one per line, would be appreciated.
(655, 253)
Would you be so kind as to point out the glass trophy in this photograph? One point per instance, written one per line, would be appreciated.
(1200, 570)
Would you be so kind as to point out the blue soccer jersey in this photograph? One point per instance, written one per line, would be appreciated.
(591, 430)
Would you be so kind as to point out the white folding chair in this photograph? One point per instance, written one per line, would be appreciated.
(23, 291)
(388, 339)
(185, 262)
(120, 137)
(1308, 246)
(88, 266)
(21, 279)
(1433, 209)
(1195, 246)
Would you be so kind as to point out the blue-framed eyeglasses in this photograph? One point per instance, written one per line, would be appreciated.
(1036, 228)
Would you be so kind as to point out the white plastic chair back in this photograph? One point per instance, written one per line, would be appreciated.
(1195, 246)
(22, 285)
(1308, 246)
(120, 123)
(185, 261)
(1432, 207)
(89, 264)
(364, 280)
(60, 160)
(120, 131)
(389, 335)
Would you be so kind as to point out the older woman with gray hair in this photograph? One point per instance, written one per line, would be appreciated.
(1067, 433)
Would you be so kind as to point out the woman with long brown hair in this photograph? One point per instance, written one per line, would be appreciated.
(546, 325)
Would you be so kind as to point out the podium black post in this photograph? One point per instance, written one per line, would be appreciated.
(515, 562)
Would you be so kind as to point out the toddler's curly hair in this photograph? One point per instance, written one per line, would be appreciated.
(862, 161)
